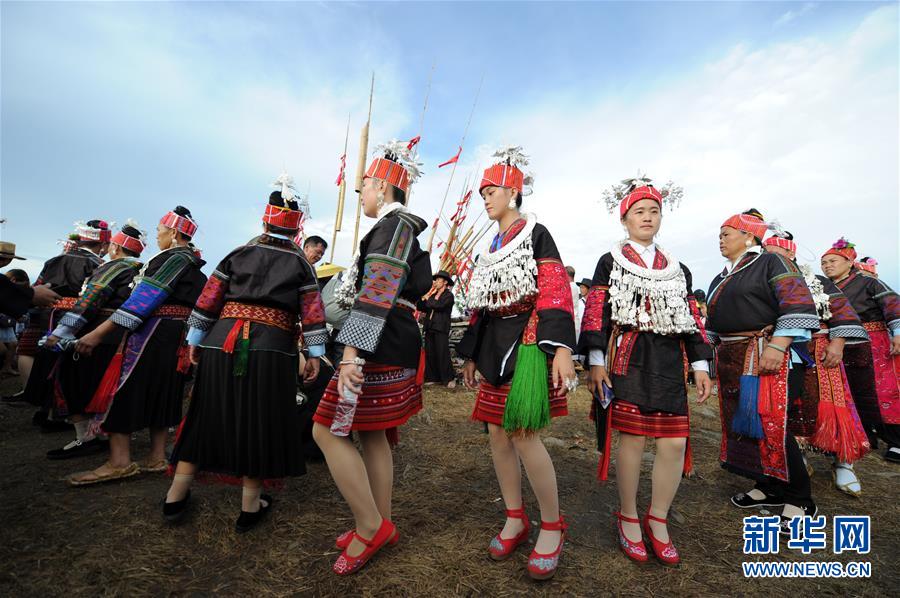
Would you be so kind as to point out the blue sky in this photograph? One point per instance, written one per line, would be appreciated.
(122, 110)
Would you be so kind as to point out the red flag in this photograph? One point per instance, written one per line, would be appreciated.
(340, 178)
(461, 206)
(435, 222)
(452, 160)
(413, 142)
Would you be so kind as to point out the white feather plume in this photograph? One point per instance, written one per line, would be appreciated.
(142, 234)
(285, 183)
(399, 152)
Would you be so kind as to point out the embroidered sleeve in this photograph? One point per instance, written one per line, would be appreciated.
(697, 345)
(384, 272)
(888, 302)
(96, 292)
(312, 314)
(595, 322)
(556, 320)
(152, 291)
(211, 301)
(795, 306)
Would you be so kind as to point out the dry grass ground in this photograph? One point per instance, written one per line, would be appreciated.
(109, 539)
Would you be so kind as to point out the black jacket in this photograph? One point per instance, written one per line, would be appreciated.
(437, 312)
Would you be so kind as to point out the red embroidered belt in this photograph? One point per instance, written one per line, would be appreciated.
(874, 326)
(173, 312)
(263, 315)
(521, 307)
(65, 303)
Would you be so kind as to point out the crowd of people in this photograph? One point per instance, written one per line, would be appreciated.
(285, 361)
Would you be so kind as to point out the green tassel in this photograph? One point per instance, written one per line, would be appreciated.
(528, 402)
(242, 354)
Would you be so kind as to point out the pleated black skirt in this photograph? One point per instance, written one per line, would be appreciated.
(152, 395)
(40, 388)
(246, 425)
(79, 378)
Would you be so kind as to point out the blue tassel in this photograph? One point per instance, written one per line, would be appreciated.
(746, 421)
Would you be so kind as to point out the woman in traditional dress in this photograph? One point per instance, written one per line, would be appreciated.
(758, 306)
(642, 319)
(243, 419)
(520, 340)
(377, 386)
(143, 386)
(873, 370)
(79, 376)
(65, 273)
(825, 416)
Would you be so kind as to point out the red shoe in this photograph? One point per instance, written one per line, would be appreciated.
(543, 566)
(346, 564)
(343, 541)
(664, 552)
(500, 549)
(636, 551)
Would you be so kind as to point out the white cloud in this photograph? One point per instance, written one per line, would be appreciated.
(804, 131)
(794, 14)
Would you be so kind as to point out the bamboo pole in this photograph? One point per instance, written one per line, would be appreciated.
(422, 123)
(342, 192)
(453, 171)
(361, 165)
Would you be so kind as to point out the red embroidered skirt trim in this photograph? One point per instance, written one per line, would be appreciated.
(390, 396)
(270, 316)
(490, 403)
(627, 417)
(887, 372)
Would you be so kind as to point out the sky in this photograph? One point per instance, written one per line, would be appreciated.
(124, 110)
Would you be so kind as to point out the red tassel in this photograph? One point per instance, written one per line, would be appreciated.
(603, 465)
(108, 385)
(231, 339)
(393, 436)
(420, 371)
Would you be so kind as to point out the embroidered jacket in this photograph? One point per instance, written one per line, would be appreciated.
(107, 288)
(267, 272)
(545, 316)
(844, 322)
(873, 300)
(393, 272)
(171, 277)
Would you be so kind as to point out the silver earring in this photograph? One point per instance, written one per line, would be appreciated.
(512, 204)
(380, 198)
(748, 243)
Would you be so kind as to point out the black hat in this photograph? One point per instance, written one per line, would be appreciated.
(446, 276)
(585, 282)
(700, 296)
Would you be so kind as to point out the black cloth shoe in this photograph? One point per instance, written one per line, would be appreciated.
(745, 501)
(248, 521)
(785, 524)
(892, 454)
(174, 512)
(79, 448)
(16, 399)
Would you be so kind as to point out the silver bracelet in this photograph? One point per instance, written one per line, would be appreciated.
(354, 361)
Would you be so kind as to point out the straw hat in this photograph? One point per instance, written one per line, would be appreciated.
(8, 250)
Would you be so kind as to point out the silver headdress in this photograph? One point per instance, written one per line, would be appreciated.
(671, 193)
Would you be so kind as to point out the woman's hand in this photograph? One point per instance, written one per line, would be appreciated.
(834, 353)
(311, 370)
(87, 343)
(350, 378)
(704, 385)
(194, 354)
(563, 372)
(771, 359)
(469, 374)
(597, 377)
(895, 345)
(51, 341)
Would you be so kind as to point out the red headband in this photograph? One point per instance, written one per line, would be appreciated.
(748, 224)
(870, 266)
(182, 224)
(100, 233)
(645, 192)
(503, 175)
(128, 242)
(782, 242)
(282, 217)
(843, 248)
(390, 171)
